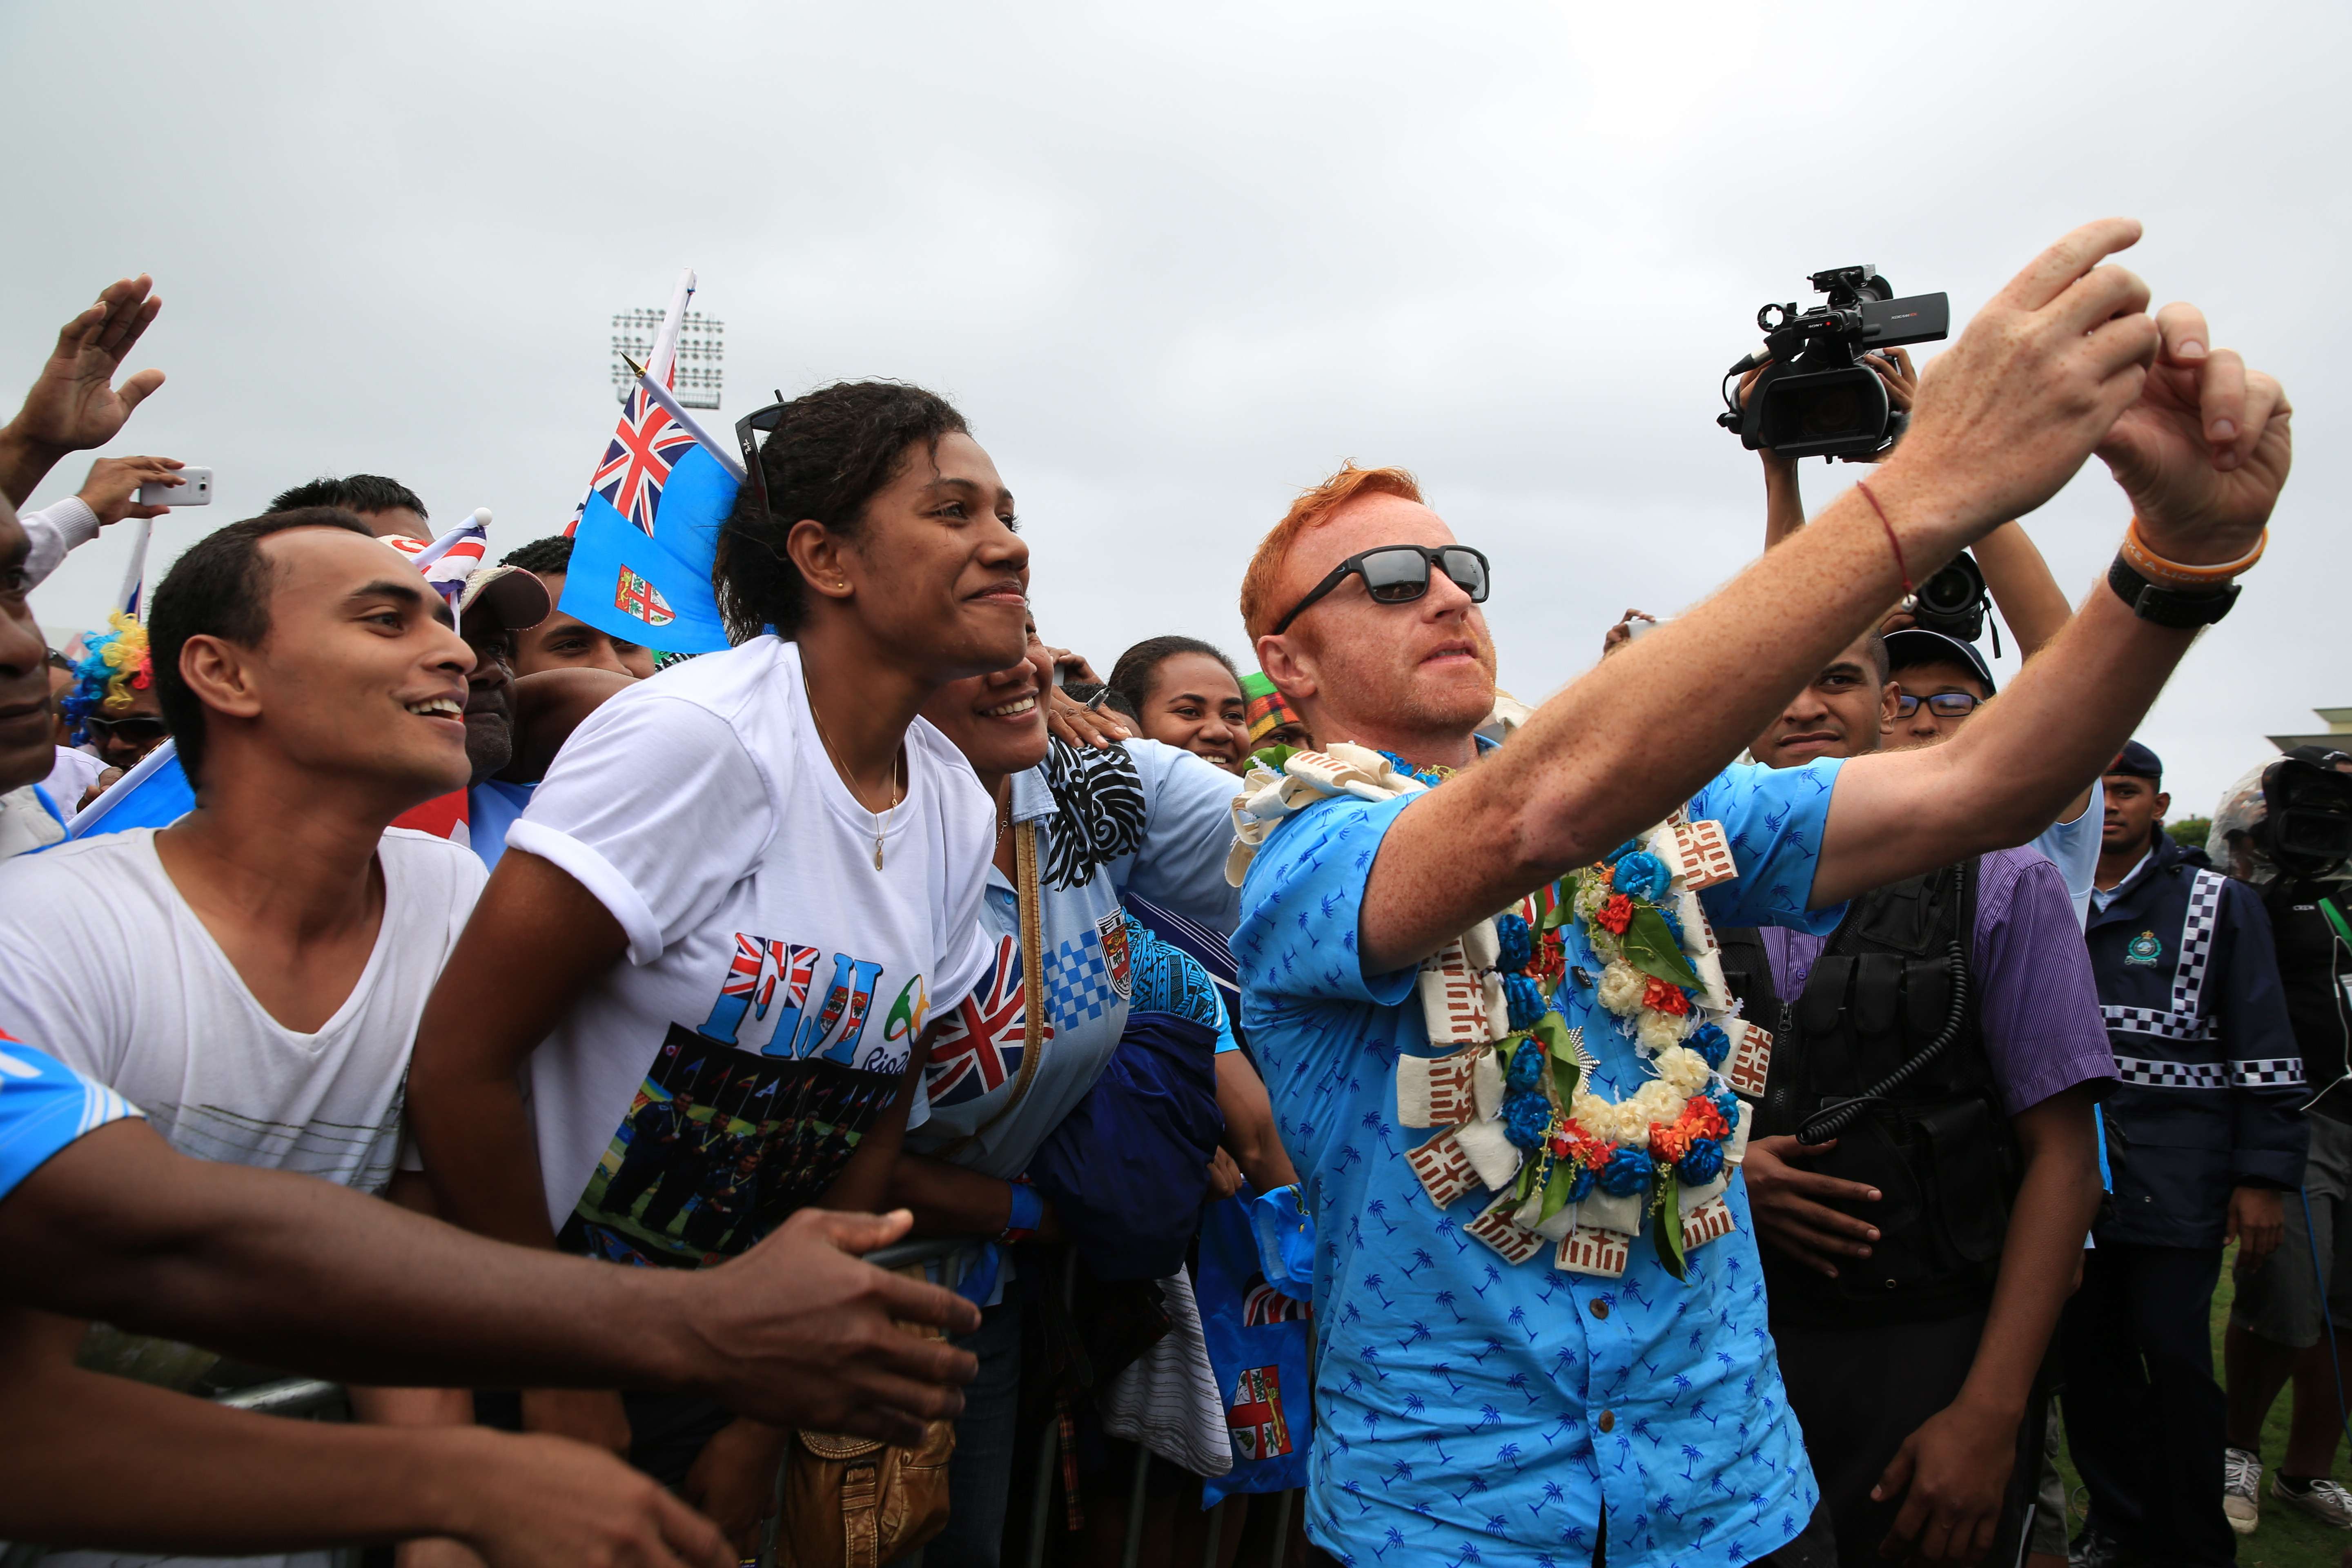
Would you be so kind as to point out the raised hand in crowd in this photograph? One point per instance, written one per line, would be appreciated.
(1069, 721)
(112, 488)
(2203, 450)
(74, 405)
(1621, 633)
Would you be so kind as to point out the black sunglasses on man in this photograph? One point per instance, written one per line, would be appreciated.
(1398, 573)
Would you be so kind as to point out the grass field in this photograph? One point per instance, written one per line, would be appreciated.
(2286, 1539)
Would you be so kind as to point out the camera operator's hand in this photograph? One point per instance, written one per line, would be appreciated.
(2005, 416)
(1893, 368)
(2205, 449)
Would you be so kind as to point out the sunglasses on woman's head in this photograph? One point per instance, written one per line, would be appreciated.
(1398, 573)
(1943, 705)
(752, 433)
(139, 727)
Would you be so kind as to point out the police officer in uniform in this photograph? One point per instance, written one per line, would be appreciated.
(2286, 829)
(2204, 1136)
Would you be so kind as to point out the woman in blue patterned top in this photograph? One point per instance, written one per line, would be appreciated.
(1138, 817)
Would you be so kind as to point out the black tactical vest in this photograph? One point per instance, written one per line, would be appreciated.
(1938, 1147)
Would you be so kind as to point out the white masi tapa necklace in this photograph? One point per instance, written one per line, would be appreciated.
(899, 790)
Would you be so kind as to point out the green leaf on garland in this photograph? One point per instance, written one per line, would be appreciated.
(1527, 1180)
(1273, 757)
(1559, 914)
(1559, 1043)
(1557, 1186)
(1666, 1221)
(1650, 947)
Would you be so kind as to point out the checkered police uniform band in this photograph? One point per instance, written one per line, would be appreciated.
(2186, 1019)
(2275, 1073)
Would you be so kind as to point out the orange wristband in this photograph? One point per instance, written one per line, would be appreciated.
(2176, 574)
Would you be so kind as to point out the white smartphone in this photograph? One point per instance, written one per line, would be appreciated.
(195, 489)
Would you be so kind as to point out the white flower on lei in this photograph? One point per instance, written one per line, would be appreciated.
(1682, 1071)
(1621, 988)
(1612, 1122)
(1660, 1032)
(1656, 1102)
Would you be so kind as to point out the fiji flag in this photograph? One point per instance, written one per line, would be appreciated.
(643, 545)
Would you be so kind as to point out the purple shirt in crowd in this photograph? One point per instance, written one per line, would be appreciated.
(2035, 994)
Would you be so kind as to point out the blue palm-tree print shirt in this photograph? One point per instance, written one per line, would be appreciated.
(1469, 1411)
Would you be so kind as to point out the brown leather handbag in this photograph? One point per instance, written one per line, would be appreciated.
(856, 1503)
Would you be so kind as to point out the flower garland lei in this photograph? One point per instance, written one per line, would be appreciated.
(1566, 1164)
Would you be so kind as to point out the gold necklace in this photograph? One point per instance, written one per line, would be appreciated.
(881, 819)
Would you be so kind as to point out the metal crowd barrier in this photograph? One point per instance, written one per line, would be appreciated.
(310, 1399)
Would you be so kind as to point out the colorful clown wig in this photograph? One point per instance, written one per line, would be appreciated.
(114, 665)
(1268, 711)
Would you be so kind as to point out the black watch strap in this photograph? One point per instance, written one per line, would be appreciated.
(2169, 606)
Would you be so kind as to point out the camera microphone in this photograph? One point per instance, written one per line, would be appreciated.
(1762, 354)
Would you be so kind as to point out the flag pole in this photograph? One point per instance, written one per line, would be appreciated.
(134, 575)
(664, 359)
(442, 546)
(670, 406)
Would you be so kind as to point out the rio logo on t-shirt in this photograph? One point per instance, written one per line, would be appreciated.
(763, 1004)
(750, 1115)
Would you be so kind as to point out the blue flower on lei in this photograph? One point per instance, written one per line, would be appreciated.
(1527, 1118)
(1526, 999)
(1580, 1187)
(1642, 875)
(1711, 1043)
(1518, 944)
(1429, 776)
(1726, 1102)
(1627, 1173)
(1701, 1163)
(1525, 1071)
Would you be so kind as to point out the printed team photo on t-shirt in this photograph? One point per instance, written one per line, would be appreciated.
(750, 1115)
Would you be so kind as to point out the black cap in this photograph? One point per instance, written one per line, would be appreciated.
(2136, 761)
(1915, 645)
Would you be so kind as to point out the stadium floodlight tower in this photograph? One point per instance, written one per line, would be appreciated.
(701, 354)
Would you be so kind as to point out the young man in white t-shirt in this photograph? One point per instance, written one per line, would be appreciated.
(251, 976)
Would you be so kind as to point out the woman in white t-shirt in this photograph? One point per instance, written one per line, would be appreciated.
(721, 932)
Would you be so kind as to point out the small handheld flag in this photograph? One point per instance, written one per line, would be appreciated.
(648, 532)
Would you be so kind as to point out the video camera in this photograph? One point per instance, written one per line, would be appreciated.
(1953, 601)
(1816, 398)
(2306, 825)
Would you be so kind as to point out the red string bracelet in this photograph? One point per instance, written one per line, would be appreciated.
(1900, 565)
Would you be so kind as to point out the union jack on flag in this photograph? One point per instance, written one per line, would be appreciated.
(980, 1046)
(646, 445)
(467, 545)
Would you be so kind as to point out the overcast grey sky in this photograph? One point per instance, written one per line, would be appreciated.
(1175, 262)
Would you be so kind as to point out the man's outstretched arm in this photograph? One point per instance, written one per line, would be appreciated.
(2202, 456)
(218, 1481)
(292, 1271)
(2003, 419)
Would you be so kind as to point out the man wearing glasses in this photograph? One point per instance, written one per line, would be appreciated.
(1940, 680)
(1488, 1399)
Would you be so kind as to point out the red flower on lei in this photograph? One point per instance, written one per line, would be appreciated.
(1662, 997)
(1616, 914)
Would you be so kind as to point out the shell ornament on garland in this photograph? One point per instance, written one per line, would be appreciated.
(1570, 1170)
